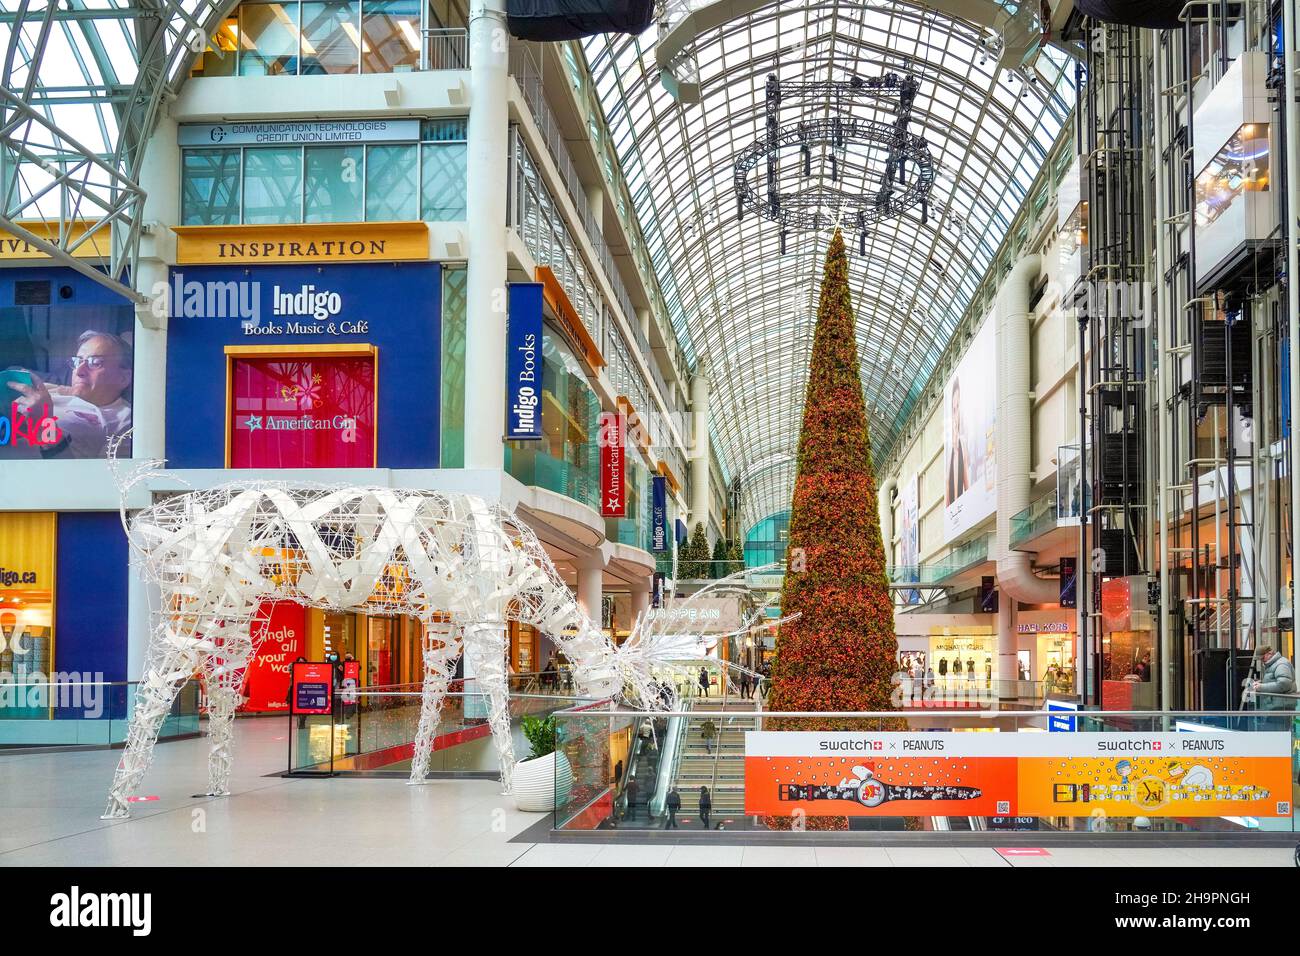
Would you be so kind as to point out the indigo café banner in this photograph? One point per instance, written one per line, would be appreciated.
(1004, 774)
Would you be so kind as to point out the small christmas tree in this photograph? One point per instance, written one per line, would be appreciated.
(693, 560)
(719, 568)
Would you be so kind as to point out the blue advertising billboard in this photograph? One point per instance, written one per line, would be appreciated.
(524, 362)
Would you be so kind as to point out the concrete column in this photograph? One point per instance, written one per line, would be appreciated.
(590, 582)
(700, 456)
(1006, 671)
(160, 173)
(149, 410)
(485, 199)
(643, 319)
(596, 203)
(640, 601)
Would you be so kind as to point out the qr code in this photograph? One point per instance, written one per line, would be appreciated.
(1284, 808)
(1004, 807)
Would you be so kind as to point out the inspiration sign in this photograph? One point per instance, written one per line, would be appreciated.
(613, 480)
(524, 362)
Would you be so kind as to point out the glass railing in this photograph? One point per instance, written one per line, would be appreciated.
(1040, 517)
(372, 730)
(349, 41)
(975, 692)
(84, 713)
(959, 559)
(997, 769)
(1275, 703)
(534, 467)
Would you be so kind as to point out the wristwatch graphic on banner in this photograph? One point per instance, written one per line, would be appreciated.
(869, 791)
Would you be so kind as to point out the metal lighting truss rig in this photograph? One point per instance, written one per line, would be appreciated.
(823, 207)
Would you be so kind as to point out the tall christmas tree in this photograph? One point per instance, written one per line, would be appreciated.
(840, 653)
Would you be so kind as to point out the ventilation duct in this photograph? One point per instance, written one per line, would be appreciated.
(1016, 578)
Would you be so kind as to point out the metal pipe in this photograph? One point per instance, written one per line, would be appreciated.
(1165, 371)
(1292, 267)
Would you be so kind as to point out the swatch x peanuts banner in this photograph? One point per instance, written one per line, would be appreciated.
(1025, 774)
(1168, 775)
(875, 775)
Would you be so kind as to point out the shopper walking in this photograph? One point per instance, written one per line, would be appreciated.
(704, 681)
(708, 730)
(746, 683)
(706, 807)
(672, 804)
(629, 806)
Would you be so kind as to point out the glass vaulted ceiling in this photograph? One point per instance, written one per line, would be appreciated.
(743, 311)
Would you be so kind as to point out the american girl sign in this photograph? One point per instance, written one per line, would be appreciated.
(613, 479)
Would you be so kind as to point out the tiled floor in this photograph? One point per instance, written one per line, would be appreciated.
(50, 806)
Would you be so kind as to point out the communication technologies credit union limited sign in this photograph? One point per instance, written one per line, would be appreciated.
(292, 134)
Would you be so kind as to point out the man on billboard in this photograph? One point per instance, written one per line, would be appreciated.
(93, 408)
(959, 468)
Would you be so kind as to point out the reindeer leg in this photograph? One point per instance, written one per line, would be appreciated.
(170, 661)
(440, 652)
(485, 646)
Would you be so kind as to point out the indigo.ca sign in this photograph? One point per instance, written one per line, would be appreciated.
(524, 362)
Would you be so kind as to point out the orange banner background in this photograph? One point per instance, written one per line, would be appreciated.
(1155, 786)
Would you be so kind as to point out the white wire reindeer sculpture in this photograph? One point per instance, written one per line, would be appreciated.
(460, 565)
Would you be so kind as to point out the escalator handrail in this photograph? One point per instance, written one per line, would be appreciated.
(669, 755)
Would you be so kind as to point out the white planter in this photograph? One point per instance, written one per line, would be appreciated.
(542, 784)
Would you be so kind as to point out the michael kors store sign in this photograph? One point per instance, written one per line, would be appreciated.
(297, 134)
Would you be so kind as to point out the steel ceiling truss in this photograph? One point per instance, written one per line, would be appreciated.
(60, 191)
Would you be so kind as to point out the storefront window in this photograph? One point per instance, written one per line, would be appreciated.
(269, 40)
(26, 608)
(221, 58)
(444, 173)
(334, 183)
(400, 182)
(302, 412)
(273, 184)
(634, 529)
(390, 30)
(767, 541)
(210, 187)
(330, 40)
(392, 186)
(566, 460)
(453, 368)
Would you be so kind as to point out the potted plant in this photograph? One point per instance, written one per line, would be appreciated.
(542, 780)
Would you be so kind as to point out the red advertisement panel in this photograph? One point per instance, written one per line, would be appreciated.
(314, 412)
(313, 688)
(283, 640)
(613, 488)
